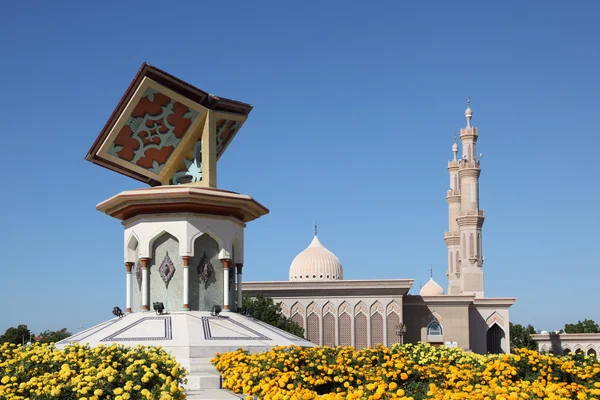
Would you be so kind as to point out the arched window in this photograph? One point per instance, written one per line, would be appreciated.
(434, 328)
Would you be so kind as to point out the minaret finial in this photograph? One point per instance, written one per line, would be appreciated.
(455, 148)
(431, 271)
(468, 112)
(315, 229)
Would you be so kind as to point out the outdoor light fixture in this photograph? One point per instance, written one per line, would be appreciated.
(117, 312)
(215, 310)
(158, 307)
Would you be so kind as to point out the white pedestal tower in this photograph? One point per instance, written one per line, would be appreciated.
(184, 238)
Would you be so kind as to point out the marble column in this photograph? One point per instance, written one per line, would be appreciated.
(128, 267)
(239, 285)
(145, 283)
(225, 262)
(186, 283)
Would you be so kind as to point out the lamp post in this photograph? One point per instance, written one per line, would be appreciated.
(400, 330)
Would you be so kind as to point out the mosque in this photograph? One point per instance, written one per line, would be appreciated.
(362, 313)
(183, 247)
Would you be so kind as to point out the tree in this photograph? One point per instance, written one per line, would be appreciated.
(19, 335)
(587, 326)
(54, 336)
(265, 309)
(520, 337)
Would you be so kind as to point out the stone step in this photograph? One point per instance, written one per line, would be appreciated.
(212, 394)
(200, 365)
(203, 381)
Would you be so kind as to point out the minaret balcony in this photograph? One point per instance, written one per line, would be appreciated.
(464, 164)
(468, 131)
(476, 213)
(452, 238)
(453, 165)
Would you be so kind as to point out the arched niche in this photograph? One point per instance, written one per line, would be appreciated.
(205, 274)
(495, 338)
(165, 273)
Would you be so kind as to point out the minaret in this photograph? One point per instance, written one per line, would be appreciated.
(452, 237)
(468, 274)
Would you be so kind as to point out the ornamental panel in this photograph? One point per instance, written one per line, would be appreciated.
(312, 328)
(345, 329)
(329, 330)
(376, 329)
(152, 131)
(393, 324)
(360, 331)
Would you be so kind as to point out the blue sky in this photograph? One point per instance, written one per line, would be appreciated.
(355, 106)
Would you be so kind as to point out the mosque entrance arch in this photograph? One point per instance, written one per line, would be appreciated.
(495, 337)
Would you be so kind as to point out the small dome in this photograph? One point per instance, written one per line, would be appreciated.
(431, 288)
(468, 112)
(454, 147)
(316, 263)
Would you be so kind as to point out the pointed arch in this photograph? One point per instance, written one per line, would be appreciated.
(313, 308)
(393, 307)
(435, 316)
(376, 307)
(131, 247)
(360, 308)
(345, 308)
(153, 238)
(495, 318)
(297, 308)
(285, 310)
(328, 308)
(207, 230)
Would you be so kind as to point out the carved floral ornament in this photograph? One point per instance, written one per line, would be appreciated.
(204, 269)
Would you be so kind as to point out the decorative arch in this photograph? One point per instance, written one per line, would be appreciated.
(345, 328)
(328, 308)
(285, 310)
(360, 308)
(344, 308)
(297, 308)
(376, 307)
(163, 230)
(566, 349)
(213, 234)
(376, 328)
(297, 313)
(131, 253)
(313, 308)
(329, 328)
(578, 348)
(495, 337)
(545, 348)
(495, 318)
(435, 316)
(434, 328)
(393, 307)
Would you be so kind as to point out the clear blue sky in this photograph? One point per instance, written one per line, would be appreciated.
(355, 106)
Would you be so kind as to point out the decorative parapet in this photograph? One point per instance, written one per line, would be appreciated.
(468, 164)
(477, 213)
(452, 193)
(469, 131)
(452, 165)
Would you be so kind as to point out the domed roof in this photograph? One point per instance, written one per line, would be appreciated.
(316, 263)
(431, 288)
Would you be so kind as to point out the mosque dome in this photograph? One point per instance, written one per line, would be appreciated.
(431, 288)
(316, 263)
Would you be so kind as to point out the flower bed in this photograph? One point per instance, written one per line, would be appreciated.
(409, 372)
(115, 372)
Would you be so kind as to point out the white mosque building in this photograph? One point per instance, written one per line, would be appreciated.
(360, 313)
